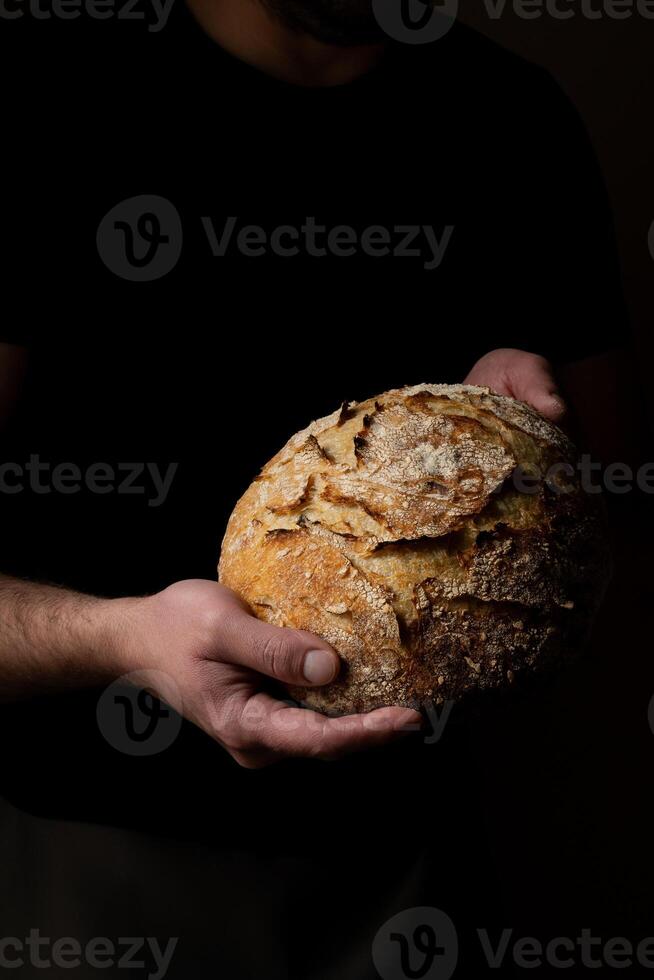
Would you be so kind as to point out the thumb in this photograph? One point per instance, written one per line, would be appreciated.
(287, 655)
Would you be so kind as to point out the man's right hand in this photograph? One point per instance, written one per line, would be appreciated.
(213, 657)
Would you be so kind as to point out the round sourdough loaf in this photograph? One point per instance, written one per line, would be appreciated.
(437, 536)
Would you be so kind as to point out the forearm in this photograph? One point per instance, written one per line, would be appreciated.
(53, 639)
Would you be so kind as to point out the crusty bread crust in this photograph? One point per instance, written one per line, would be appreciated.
(395, 530)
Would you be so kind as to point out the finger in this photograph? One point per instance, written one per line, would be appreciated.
(522, 375)
(489, 371)
(532, 380)
(271, 728)
(287, 655)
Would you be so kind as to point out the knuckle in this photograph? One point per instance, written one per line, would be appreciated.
(235, 741)
(290, 737)
(321, 752)
(316, 746)
(537, 360)
(226, 730)
(324, 751)
(221, 620)
(208, 628)
(276, 656)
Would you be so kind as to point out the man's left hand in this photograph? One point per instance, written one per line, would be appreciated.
(519, 374)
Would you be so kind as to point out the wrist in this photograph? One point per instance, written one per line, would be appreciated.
(119, 650)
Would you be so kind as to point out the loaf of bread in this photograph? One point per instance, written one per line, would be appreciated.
(436, 536)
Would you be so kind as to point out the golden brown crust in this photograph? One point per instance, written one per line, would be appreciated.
(392, 528)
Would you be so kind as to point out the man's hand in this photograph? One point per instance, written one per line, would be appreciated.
(208, 653)
(196, 646)
(527, 377)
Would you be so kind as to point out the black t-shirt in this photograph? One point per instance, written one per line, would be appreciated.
(456, 151)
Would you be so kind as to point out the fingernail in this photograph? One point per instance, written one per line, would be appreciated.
(409, 722)
(320, 667)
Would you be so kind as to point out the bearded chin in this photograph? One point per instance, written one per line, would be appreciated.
(340, 22)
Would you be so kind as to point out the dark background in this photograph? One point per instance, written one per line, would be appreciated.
(606, 67)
